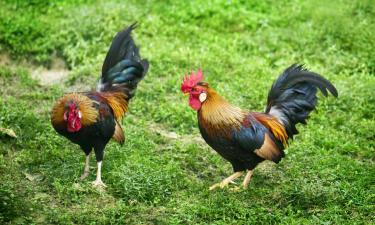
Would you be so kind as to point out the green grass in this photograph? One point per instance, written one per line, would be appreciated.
(327, 177)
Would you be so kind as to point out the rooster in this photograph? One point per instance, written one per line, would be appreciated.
(245, 138)
(90, 119)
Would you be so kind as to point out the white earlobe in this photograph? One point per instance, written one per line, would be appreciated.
(79, 114)
(202, 97)
(65, 116)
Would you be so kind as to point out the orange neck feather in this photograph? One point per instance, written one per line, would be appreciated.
(117, 102)
(218, 116)
(85, 104)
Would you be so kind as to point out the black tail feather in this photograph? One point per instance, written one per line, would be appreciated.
(121, 48)
(293, 96)
(123, 67)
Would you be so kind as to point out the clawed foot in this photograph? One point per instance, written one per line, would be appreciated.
(225, 184)
(230, 179)
(84, 175)
(236, 189)
(213, 187)
(222, 184)
(99, 183)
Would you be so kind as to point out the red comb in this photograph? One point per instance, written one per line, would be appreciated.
(190, 81)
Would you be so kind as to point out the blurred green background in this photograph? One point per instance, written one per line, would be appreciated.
(162, 173)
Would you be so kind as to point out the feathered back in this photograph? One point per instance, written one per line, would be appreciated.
(293, 96)
(123, 67)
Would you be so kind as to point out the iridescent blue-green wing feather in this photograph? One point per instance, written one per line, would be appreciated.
(123, 67)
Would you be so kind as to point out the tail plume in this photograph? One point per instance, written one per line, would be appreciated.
(293, 96)
(123, 67)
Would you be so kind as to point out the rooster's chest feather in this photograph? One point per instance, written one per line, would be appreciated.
(220, 121)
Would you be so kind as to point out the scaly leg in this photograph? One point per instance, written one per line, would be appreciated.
(98, 181)
(87, 167)
(226, 181)
(248, 176)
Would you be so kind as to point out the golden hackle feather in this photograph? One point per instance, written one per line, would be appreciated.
(117, 101)
(218, 116)
(85, 105)
(273, 125)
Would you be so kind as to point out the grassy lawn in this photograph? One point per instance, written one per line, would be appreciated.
(162, 173)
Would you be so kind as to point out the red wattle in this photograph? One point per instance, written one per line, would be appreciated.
(74, 125)
(194, 103)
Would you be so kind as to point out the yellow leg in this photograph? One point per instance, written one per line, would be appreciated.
(247, 178)
(86, 171)
(226, 181)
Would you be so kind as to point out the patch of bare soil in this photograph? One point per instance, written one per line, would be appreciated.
(5, 59)
(57, 72)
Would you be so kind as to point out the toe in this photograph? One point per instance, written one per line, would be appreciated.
(83, 176)
(235, 189)
(223, 184)
(98, 183)
(213, 187)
